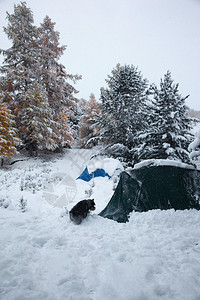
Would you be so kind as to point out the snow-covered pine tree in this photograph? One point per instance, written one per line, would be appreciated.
(123, 109)
(66, 133)
(54, 77)
(20, 69)
(6, 89)
(78, 113)
(37, 128)
(20, 65)
(51, 72)
(89, 125)
(168, 133)
(33, 60)
(8, 133)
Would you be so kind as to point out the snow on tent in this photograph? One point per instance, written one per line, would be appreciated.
(101, 168)
(154, 184)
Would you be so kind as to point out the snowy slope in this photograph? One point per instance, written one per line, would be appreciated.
(45, 256)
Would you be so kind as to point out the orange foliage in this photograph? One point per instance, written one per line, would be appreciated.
(8, 136)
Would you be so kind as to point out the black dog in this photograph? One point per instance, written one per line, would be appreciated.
(81, 210)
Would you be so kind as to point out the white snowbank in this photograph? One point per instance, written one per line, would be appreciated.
(110, 165)
(163, 162)
(194, 147)
(44, 256)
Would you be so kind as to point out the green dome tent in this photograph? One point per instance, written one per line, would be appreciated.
(154, 187)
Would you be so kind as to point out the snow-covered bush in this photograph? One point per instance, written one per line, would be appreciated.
(23, 204)
(4, 202)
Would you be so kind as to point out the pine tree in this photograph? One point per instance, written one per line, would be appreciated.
(123, 109)
(52, 74)
(89, 125)
(79, 112)
(66, 133)
(32, 63)
(20, 64)
(6, 89)
(54, 77)
(168, 133)
(37, 127)
(8, 133)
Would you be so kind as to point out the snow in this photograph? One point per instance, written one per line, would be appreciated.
(45, 256)
(194, 146)
(163, 162)
(110, 165)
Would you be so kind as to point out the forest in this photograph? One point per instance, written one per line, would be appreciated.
(40, 109)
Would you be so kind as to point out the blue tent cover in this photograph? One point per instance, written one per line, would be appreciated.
(97, 173)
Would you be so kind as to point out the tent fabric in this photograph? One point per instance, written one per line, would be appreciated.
(154, 187)
(104, 167)
(86, 176)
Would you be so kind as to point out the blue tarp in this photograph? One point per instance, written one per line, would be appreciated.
(97, 173)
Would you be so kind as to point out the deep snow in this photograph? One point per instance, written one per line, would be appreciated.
(45, 256)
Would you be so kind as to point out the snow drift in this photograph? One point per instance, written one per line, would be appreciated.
(44, 256)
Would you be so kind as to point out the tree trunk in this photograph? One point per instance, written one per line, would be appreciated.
(1, 162)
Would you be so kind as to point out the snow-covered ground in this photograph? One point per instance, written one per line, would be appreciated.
(45, 256)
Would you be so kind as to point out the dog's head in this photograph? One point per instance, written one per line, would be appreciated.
(91, 204)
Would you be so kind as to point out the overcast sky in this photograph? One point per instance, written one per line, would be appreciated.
(154, 35)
